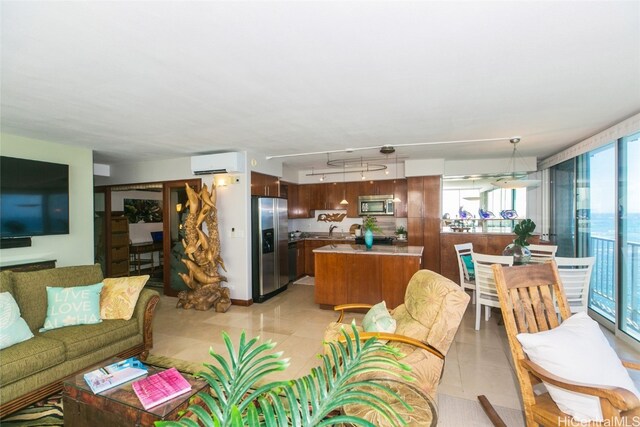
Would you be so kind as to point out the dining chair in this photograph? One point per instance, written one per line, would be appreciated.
(486, 294)
(575, 274)
(542, 253)
(465, 268)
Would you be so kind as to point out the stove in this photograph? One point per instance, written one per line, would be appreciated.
(377, 240)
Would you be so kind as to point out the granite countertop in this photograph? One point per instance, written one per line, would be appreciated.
(375, 250)
(320, 236)
(346, 237)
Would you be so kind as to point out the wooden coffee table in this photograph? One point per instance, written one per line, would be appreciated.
(118, 406)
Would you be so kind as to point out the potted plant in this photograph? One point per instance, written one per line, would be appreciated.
(518, 249)
(370, 224)
(239, 397)
(401, 232)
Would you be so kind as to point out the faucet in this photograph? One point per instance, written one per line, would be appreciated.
(331, 228)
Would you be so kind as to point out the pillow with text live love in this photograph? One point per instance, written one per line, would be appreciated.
(577, 351)
(13, 328)
(78, 305)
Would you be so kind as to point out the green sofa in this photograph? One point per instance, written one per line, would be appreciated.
(34, 369)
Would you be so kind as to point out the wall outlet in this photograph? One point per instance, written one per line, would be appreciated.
(237, 233)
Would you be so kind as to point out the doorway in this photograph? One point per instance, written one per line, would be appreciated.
(138, 230)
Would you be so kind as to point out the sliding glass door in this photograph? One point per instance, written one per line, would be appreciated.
(563, 222)
(596, 212)
(596, 209)
(629, 234)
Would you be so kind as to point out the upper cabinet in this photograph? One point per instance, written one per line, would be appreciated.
(306, 198)
(297, 200)
(334, 193)
(317, 196)
(264, 185)
(377, 188)
(400, 191)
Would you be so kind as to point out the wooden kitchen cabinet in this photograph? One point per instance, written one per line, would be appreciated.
(395, 273)
(400, 191)
(377, 188)
(364, 271)
(306, 198)
(333, 194)
(309, 259)
(300, 259)
(303, 210)
(332, 271)
(343, 278)
(383, 187)
(317, 196)
(353, 190)
(264, 185)
(292, 199)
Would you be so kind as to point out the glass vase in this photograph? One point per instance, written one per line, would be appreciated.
(368, 238)
(521, 254)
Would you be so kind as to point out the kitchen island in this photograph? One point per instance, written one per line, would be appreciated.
(348, 273)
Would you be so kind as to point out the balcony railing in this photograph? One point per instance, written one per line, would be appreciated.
(603, 283)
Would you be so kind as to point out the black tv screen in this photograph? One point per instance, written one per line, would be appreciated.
(34, 198)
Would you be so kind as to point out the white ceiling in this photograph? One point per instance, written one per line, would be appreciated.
(136, 80)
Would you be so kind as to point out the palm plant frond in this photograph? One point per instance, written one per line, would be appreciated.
(306, 401)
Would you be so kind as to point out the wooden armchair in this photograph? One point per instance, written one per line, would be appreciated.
(426, 322)
(526, 295)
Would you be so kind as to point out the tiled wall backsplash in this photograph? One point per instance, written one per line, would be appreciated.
(312, 225)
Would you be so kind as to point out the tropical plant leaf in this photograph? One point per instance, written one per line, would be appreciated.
(306, 401)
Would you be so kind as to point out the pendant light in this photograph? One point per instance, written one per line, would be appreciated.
(344, 201)
(396, 199)
(472, 198)
(511, 182)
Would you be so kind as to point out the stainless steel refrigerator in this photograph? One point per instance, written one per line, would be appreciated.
(269, 241)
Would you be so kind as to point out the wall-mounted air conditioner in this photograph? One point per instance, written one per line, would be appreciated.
(208, 164)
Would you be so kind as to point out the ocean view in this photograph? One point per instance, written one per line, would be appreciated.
(603, 226)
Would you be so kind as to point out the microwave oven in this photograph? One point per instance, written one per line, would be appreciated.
(375, 205)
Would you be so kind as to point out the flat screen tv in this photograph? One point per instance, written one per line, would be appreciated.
(34, 198)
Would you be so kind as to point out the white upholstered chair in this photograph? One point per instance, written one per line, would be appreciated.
(575, 274)
(542, 253)
(467, 276)
(486, 294)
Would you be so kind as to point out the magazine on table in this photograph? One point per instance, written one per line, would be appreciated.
(114, 374)
(160, 388)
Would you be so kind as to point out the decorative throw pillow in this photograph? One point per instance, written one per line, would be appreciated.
(577, 351)
(13, 328)
(120, 295)
(78, 305)
(378, 319)
(468, 267)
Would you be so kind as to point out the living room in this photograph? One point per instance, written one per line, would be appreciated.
(126, 100)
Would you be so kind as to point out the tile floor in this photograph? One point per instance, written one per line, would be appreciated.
(478, 362)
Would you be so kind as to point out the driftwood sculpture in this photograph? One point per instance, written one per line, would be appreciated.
(203, 251)
(334, 217)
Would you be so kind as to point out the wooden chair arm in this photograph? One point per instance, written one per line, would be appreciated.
(342, 307)
(620, 398)
(631, 364)
(398, 338)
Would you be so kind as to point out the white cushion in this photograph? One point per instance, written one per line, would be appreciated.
(13, 328)
(577, 351)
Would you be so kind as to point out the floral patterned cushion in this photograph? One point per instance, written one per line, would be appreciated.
(120, 295)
